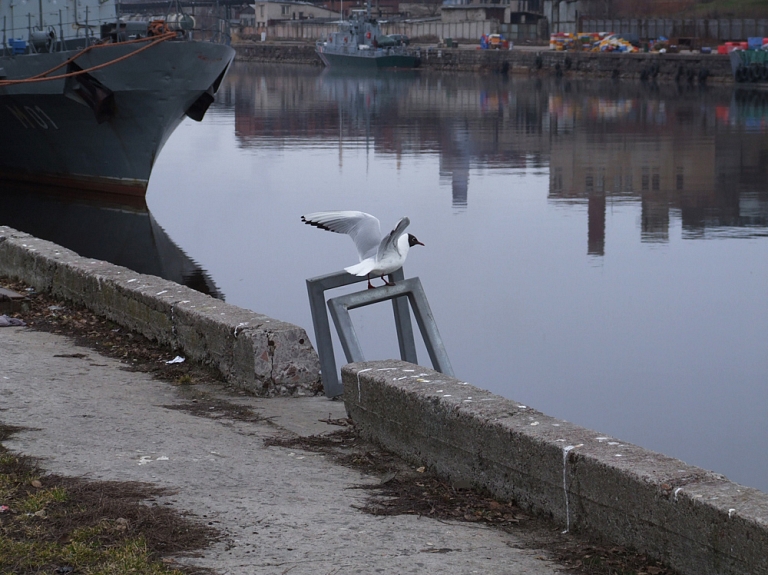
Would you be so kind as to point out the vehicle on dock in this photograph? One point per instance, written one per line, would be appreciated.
(359, 42)
(87, 100)
(494, 42)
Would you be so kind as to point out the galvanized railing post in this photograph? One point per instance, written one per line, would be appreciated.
(316, 288)
(340, 306)
(402, 293)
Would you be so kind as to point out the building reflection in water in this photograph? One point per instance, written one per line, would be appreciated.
(120, 231)
(699, 164)
(455, 159)
(391, 114)
(693, 156)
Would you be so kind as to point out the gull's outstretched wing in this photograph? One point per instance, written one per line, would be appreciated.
(364, 229)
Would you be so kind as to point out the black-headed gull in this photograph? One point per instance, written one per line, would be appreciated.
(379, 255)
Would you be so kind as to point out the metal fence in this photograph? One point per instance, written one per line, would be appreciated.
(520, 32)
(720, 29)
(470, 30)
(306, 30)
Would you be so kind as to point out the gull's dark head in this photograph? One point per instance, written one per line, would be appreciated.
(412, 241)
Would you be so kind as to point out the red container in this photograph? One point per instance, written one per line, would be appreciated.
(722, 49)
(744, 45)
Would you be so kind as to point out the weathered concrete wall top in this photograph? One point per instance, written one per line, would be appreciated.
(258, 353)
(694, 520)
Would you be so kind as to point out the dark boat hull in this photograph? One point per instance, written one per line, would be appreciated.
(367, 59)
(53, 137)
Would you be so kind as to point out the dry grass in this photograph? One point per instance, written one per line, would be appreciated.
(55, 524)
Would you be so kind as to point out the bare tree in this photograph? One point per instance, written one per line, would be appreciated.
(432, 6)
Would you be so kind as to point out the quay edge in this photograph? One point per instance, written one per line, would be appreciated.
(684, 68)
(695, 521)
(257, 353)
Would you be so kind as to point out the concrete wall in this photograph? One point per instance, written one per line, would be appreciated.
(308, 30)
(684, 68)
(262, 355)
(563, 15)
(714, 29)
(452, 14)
(273, 53)
(695, 521)
(469, 31)
(687, 68)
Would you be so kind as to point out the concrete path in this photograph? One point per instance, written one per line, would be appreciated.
(282, 511)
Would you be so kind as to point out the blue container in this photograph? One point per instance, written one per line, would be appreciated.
(755, 43)
(18, 46)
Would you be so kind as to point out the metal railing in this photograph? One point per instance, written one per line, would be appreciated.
(37, 38)
(401, 294)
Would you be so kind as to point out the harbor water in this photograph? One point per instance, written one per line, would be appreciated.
(594, 250)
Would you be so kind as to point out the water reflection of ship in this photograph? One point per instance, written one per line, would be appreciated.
(301, 103)
(749, 107)
(125, 234)
(394, 113)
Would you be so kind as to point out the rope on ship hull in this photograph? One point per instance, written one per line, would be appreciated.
(43, 77)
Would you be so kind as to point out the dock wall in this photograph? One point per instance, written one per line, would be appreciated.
(694, 520)
(688, 68)
(260, 354)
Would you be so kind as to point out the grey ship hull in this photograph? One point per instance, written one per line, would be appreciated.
(334, 57)
(51, 136)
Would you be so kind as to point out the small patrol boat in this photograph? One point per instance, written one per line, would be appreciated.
(360, 43)
(88, 100)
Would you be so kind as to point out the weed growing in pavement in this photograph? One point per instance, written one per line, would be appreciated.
(54, 524)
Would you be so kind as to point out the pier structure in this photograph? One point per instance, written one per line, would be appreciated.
(692, 519)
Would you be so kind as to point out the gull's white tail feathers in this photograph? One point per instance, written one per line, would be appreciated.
(363, 268)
